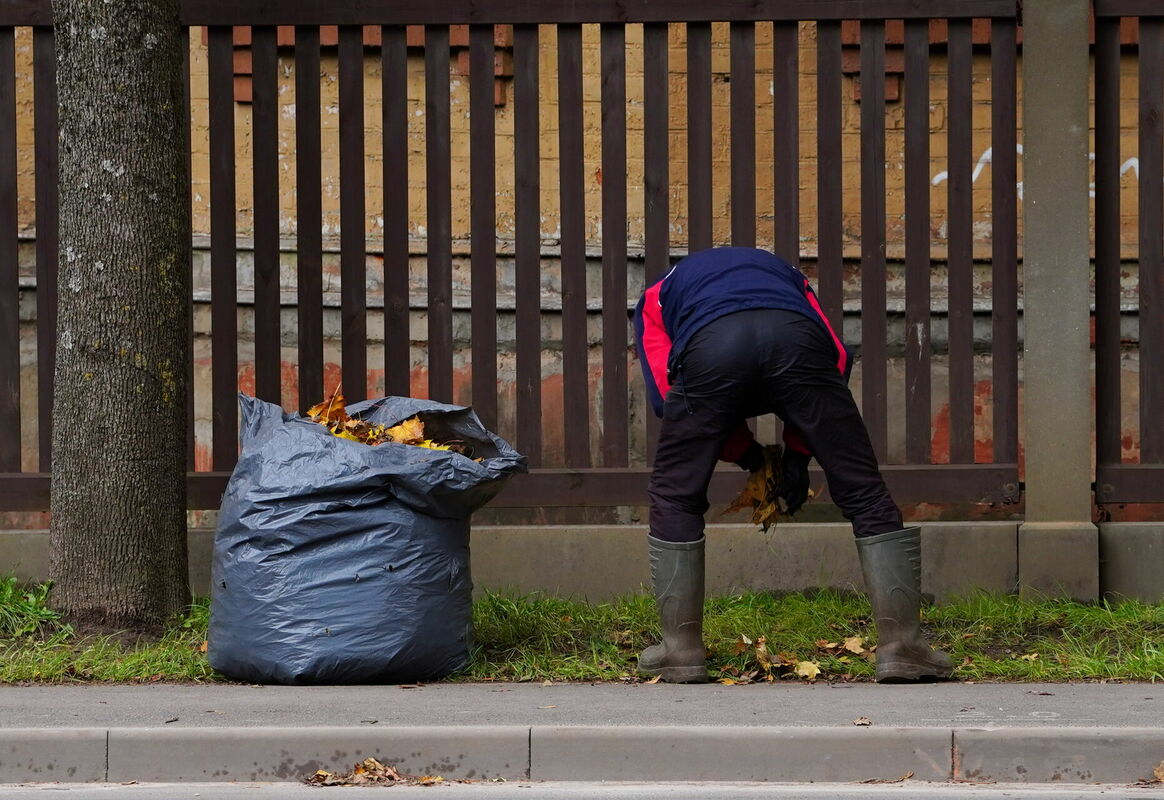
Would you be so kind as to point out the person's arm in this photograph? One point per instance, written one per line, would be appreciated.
(654, 346)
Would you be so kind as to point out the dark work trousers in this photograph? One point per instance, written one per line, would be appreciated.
(750, 363)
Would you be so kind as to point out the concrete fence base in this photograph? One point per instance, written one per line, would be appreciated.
(598, 562)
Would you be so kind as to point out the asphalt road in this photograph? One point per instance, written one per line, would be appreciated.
(584, 791)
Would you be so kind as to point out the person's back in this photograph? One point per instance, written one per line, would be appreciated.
(713, 283)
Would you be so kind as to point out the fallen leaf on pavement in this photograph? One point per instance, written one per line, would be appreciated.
(654, 679)
(902, 779)
(547, 706)
(863, 722)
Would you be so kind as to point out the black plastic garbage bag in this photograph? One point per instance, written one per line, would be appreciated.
(340, 562)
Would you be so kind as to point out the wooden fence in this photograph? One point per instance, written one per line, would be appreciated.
(610, 479)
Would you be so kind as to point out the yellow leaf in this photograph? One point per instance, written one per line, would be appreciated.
(202, 647)
(410, 431)
(1159, 772)
(431, 445)
(727, 681)
(808, 670)
(1029, 657)
(330, 410)
(855, 644)
(762, 656)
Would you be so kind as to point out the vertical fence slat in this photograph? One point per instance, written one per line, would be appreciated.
(698, 136)
(397, 336)
(1107, 239)
(483, 232)
(743, 133)
(786, 145)
(9, 271)
(353, 261)
(960, 221)
(309, 217)
(223, 267)
(527, 255)
(657, 171)
(575, 389)
(265, 151)
(873, 323)
(829, 230)
(187, 121)
(47, 230)
(615, 432)
(1151, 239)
(917, 242)
(439, 215)
(1004, 238)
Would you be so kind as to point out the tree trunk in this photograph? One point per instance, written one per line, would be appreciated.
(118, 542)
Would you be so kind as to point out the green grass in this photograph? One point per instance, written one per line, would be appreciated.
(535, 637)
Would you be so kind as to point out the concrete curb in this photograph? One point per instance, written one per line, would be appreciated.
(565, 753)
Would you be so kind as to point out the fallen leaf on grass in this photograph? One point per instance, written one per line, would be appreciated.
(902, 779)
(855, 644)
(863, 722)
(808, 670)
(1029, 657)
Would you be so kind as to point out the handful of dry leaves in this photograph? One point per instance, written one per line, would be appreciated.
(331, 414)
(762, 492)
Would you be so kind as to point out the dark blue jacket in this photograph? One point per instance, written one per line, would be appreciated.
(710, 284)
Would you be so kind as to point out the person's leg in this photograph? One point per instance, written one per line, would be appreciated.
(699, 414)
(813, 396)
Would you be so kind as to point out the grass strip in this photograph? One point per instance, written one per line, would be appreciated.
(752, 637)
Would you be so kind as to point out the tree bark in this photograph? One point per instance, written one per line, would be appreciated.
(118, 533)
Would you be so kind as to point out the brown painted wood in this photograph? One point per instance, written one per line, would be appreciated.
(309, 217)
(786, 127)
(44, 56)
(483, 258)
(1151, 209)
(959, 188)
(917, 244)
(742, 36)
(615, 396)
(1004, 239)
(9, 271)
(397, 335)
(223, 256)
(829, 226)
(353, 256)
(439, 196)
(657, 173)
(698, 136)
(527, 256)
(265, 171)
(551, 12)
(874, 407)
(571, 188)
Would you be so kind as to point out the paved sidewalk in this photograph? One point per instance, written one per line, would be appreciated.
(1075, 733)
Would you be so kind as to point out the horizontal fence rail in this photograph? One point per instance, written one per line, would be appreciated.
(595, 415)
(1129, 477)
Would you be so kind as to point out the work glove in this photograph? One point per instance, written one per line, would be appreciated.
(753, 458)
(793, 483)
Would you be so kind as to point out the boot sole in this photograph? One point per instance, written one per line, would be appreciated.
(678, 674)
(904, 672)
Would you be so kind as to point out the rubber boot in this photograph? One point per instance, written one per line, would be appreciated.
(677, 575)
(891, 563)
